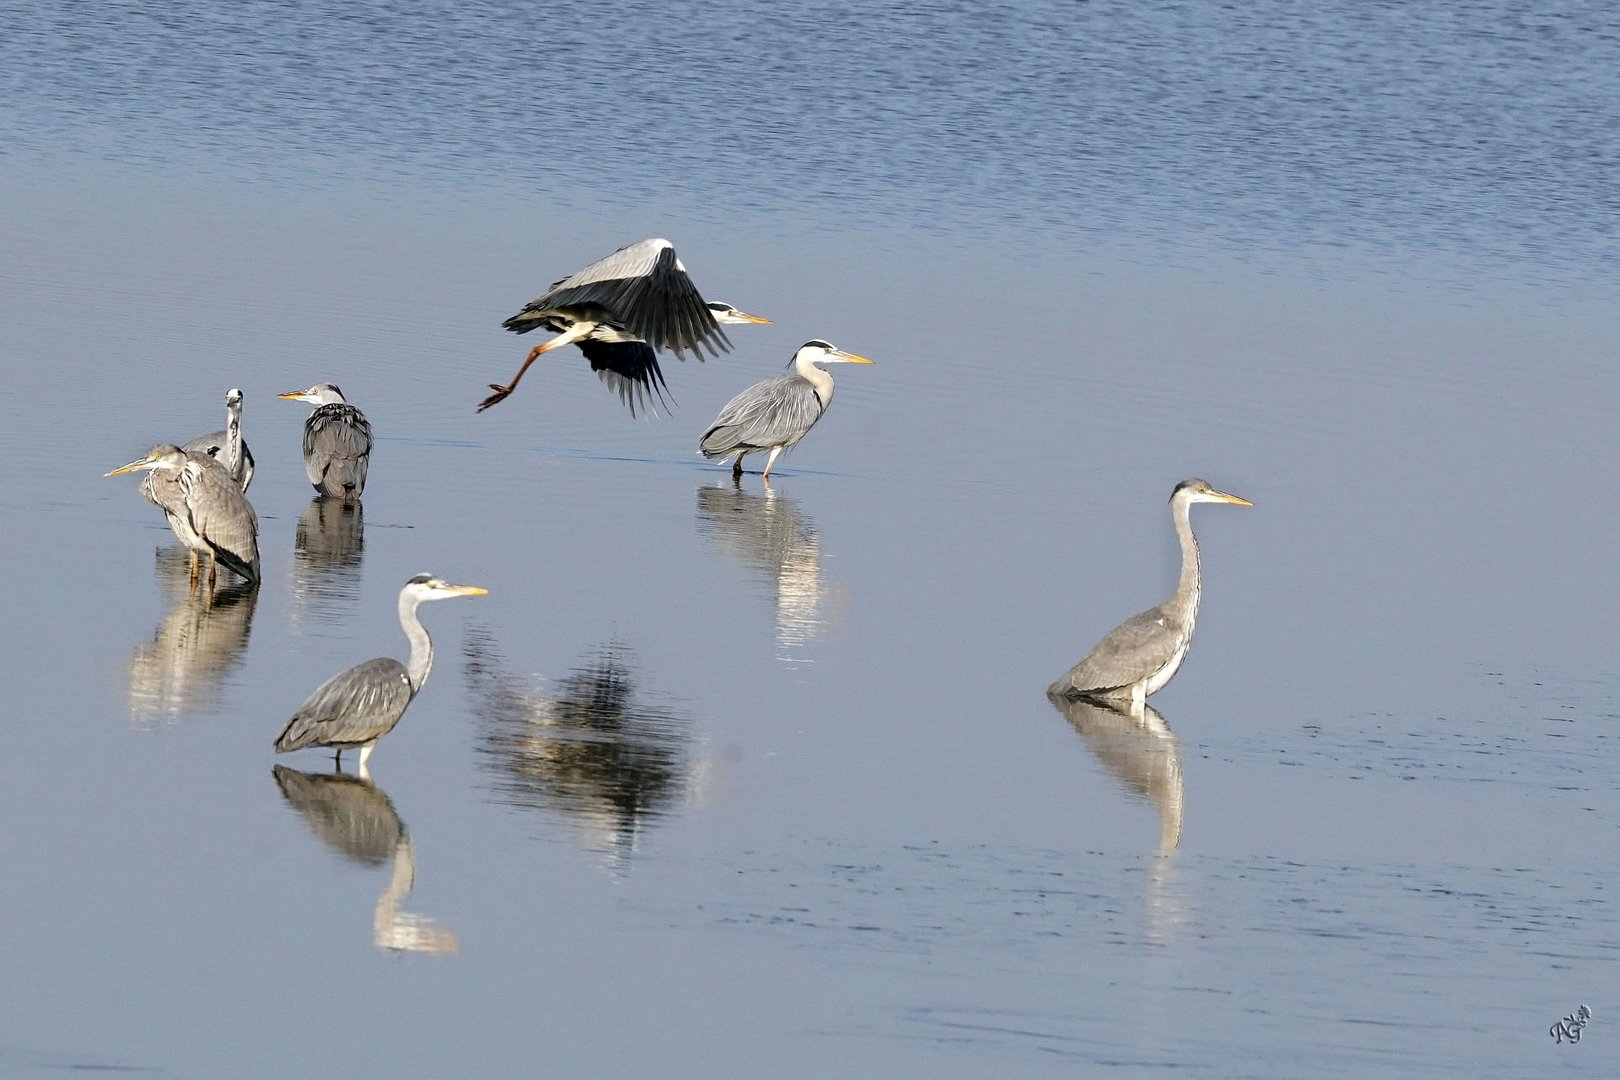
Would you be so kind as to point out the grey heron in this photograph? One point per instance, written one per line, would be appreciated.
(776, 413)
(619, 311)
(1140, 655)
(162, 487)
(208, 512)
(337, 442)
(355, 708)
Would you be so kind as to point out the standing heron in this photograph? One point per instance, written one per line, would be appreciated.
(337, 442)
(206, 510)
(619, 311)
(228, 446)
(1140, 655)
(357, 707)
(775, 414)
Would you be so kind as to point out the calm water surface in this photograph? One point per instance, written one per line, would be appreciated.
(721, 780)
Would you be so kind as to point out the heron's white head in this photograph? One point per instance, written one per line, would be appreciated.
(1202, 491)
(320, 394)
(233, 398)
(726, 315)
(161, 456)
(428, 587)
(817, 351)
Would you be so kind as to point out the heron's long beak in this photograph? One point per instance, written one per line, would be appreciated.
(852, 358)
(1235, 500)
(294, 395)
(745, 317)
(466, 590)
(143, 463)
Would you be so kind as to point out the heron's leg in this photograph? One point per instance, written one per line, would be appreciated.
(213, 569)
(771, 460)
(736, 466)
(573, 334)
(365, 752)
(196, 567)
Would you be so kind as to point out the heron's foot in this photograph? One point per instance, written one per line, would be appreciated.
(497, 397)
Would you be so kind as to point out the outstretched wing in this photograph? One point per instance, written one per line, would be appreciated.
(351, 708)
(645, 289)
(629, 368)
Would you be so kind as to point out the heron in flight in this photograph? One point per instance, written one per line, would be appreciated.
(207, 510)
(337, 442)
(1140, 655)
(355, 708)
(619, 311)
(776, 413)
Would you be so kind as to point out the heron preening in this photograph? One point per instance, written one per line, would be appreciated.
(619, 311)
(1140, 655)
(206, 509)
(337, 442)
(355, 708)
(776, 413)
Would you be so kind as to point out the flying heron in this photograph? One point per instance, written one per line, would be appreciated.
(208, 512)
(774, 414)
(337, 442)
(357, 707)
(619, 311)
(1140, 655)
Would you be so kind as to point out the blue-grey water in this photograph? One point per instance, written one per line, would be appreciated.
(724, 780)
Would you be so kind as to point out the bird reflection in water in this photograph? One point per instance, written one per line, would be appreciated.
(327, 550)
(181, 671)
(354, 818)
(1138, 747)
(580, 747)
(768, 532)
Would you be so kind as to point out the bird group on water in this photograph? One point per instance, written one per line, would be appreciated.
(619, 311)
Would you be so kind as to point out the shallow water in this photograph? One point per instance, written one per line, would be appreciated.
(726, 781)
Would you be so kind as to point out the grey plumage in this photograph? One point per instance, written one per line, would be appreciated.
(161, 487)
(337, 442)
(1140, 655)
(776, 413)
(206, 509)
(620, 311)
(355, 708)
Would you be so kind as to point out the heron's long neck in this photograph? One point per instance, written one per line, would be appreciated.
(817, 377)
(233, 438)
(421, 661)
(1187, 590)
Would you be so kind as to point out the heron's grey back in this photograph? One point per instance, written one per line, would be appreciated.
(337, 450)
(776, 412)
(351, 708)
(222, 516)
(1129, 653)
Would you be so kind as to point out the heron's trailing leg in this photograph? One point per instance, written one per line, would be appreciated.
(736, 466)
(571, 335)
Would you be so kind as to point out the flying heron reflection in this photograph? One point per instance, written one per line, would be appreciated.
(206, 510)
(355, 708)
(1140, 655)
(776, 413)
(619, 311)
(337, 442)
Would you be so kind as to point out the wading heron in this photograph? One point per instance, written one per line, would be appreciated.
(619, 311)
(355, 708)
(162, 487)
(208, 512)
(1140, 655)
(337, 442)
(774, 414)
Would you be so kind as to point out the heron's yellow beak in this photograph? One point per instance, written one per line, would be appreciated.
(745, 317)
(131, 467)
(854, 359)
(1235, 500)
(467, 590)
(293, 395)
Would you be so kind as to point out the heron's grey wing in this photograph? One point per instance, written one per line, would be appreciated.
(652, 298)
(1130, 652)
(776, 412)
(351, 708)
(213, 444)
(629, 368)
(337, 449)
(222, 516)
